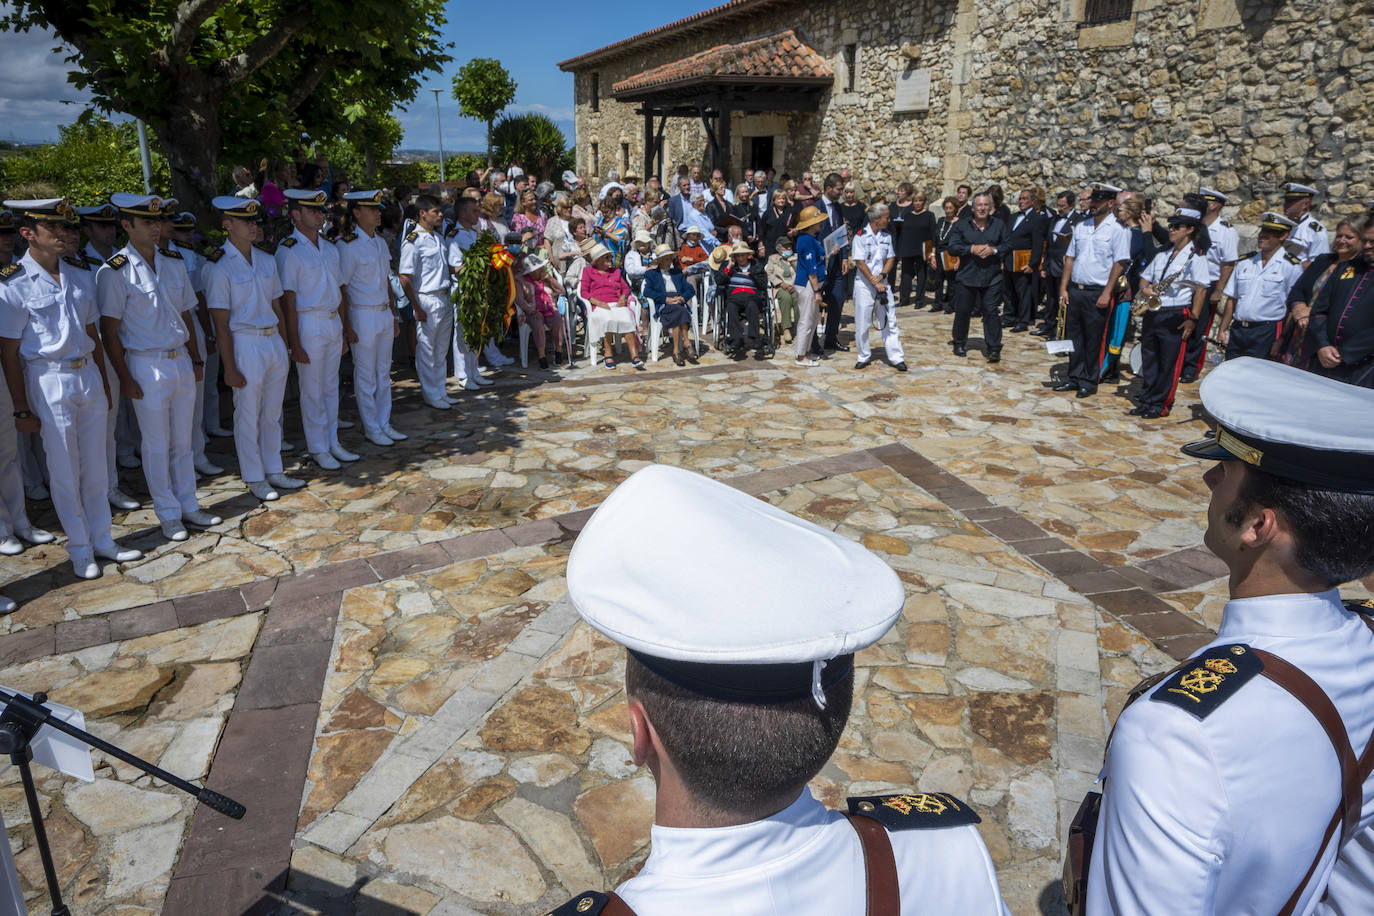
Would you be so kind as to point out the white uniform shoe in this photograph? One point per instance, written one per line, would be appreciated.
(395, 434)
(7, 604)
(121, 500)
(85, 568)
(174, 530)
(381, 439)
(325, 461)
(11, 545)
(208, 468)
(437, 405)
(35, 535)
(128, 462)
(201, 519)
(343, 454)
(113, 551)
(263, 491)
(282, 482)
(344, 424)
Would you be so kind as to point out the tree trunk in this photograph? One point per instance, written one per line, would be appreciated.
(488, 143)
(191, 140)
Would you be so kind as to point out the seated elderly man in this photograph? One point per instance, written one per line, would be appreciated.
(696, 217)
(746, 293)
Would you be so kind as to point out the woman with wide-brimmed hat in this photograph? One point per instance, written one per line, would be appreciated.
(608, 295)
(670, 295)
(534, 292)
(810, 276)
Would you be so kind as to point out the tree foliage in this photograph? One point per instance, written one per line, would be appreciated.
(483, 89)
(532, 140)
(93, 158)
(245, 78)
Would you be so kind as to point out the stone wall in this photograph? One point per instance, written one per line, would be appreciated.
(1242, 95)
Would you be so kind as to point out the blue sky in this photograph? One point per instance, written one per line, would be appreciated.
(35, 97)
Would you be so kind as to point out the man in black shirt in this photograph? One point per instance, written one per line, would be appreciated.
(980, 243)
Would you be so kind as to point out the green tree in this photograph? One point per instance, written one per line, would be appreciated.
(483, 89)
(92, 159)
(532, 140)
(242, 78)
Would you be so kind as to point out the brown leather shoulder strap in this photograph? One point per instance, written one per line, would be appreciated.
(616, 907)
(880, 866)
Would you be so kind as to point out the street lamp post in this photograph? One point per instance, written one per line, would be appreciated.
(440, 124)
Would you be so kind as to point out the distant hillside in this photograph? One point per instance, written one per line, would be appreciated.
(432, 155)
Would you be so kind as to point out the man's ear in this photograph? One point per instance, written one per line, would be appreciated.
(1261, 530)
(645, 738)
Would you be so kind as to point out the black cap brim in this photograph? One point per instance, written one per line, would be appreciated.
(1208, 450)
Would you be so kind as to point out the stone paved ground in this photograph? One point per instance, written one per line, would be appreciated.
(385, 669)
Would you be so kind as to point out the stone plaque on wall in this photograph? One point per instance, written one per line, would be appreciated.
(913, 91)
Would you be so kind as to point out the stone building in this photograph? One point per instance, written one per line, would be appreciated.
(1242, 95)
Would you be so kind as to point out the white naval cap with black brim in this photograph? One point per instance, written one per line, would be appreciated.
(726, 595)
(1292, 424)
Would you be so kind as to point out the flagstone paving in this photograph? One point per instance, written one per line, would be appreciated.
(385, 669)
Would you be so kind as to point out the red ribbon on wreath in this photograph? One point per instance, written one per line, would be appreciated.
(500, 258)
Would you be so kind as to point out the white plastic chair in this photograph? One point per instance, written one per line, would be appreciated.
(525, 333)
(656, 329)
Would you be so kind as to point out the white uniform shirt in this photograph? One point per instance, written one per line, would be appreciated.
(1224, 814)
(242, 289)
(1191, 269)
(311, 272)
(1095, 249)
(1308, 239)
(873, 249)
(423, 258)
(1261, 290)
(49, 320)
(365, 268)
(806, 859)
(1225, 249)
(146, 299)
(459, 240)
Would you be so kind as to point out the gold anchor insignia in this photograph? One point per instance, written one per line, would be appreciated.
(1221, 666)
(928, 804)
(1200, 680)
(585, 904)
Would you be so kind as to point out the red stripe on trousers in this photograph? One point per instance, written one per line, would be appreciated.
(1178, 370)
(1202, 354)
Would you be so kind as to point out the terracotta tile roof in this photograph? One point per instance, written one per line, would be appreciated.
(715, 16)
(781, 57)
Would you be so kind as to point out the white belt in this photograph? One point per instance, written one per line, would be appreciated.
(435, 292)
(382, 306)
(42, 363)
(158, 354)
(258, 332)
(320, 314)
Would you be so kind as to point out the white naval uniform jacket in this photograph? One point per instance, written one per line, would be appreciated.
(1223, 814)
(806, 859)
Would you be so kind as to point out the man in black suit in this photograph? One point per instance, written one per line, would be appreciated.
(1028, 230)
(1056, 243)
(838, 266)
(980, 242)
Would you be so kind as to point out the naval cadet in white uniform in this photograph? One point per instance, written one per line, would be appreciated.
(739, 685)
(873, 258)
(1257, 293)
(244, 296)
(56, 377)
(1308, 238)
(365, 271)
(182, 227)
(316, 325)
(424, 276)
(147, 307)
(1223, 790)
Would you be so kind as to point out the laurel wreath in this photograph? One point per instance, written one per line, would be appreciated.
(485, 292)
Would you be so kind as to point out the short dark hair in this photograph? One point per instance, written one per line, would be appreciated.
(1066, 195)
(746, 759)
(1333, 531)
(966, 187)
(831, 181)
(426, 202)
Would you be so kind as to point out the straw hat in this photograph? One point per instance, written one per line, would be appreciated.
(693, 230)
(809, 217)
(586, 245)
(663, 251)
(644, 238)
(719, 256)
(740, 248)
(598, 252)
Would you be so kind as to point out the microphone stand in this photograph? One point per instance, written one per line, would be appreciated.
(21, 721)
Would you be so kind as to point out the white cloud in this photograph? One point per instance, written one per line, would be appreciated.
(549, 111)
(35, 97)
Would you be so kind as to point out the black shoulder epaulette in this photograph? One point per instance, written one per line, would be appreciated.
(215, 255)
(412, 236)
(352, 236)
(1364, 608)
(117, 261)
(1292, 258)
(263, 246)
(9, 271)
(452, 231)
(915, 811)
(90, 261)
(587, 903)
(1211, 679)
(76, 261)
(288, 242)
(1226, 223)
(170, 253)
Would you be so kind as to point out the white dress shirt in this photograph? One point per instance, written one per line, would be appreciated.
(146, 299)
(242, 289)
(1260, 289)
(1095, 249)
(1308, 239)
(1224, 250)
(1191, 270)
(458, 240)
(365, 268)
(311, 272)
(1224, 814)
(47, 318)
(806, 859)
(423, 260)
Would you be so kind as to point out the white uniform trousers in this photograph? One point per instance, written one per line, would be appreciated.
(375, 328)
(208, 416)
(262, 362)
(321, 336)
(126, 432)
(198, 436)
(433, 336)
(867, 302)
(71, 408)
(13, 515)
(165, 420)
(111, 433)
(464, 360)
